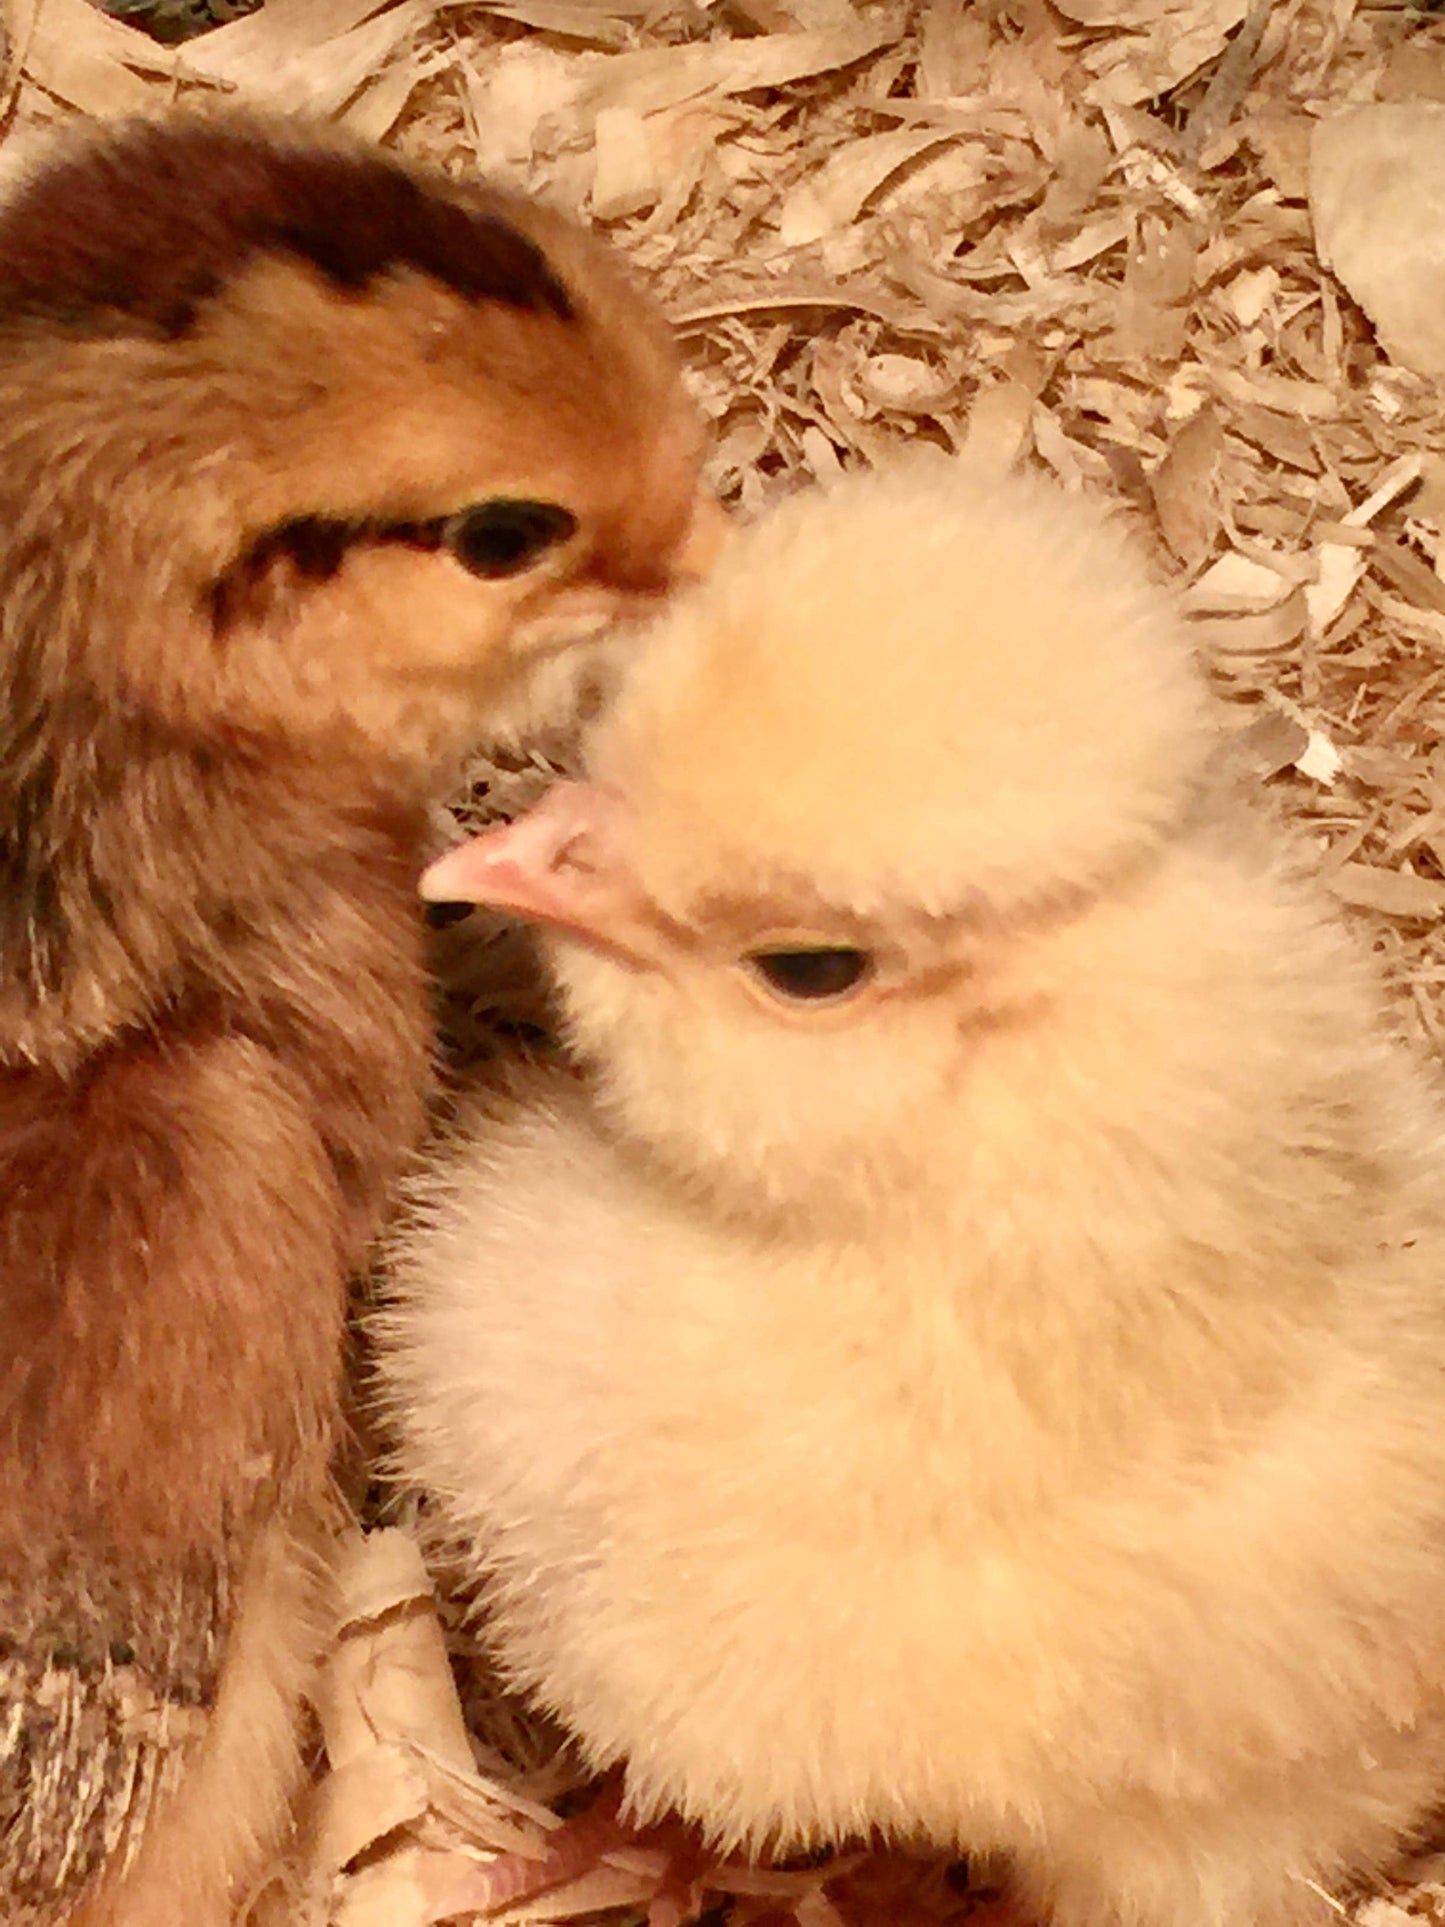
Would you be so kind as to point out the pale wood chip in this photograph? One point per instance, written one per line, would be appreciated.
(1339, 567)
(307, 55)
(1414, 579)
(665, 76)
(1184, 488)
(519, 99)
(999, 428)
(832, 197)
(389, 1679)
(1267, 745)
(1377, 194)
(363, 1801)
(627, 177)
(88, 60)
(787, 16)
(1165, 45)
(804, 294)
(591, 23)
(1261, 632)
(1237, 585)
(1391, 893)
(394, 1893)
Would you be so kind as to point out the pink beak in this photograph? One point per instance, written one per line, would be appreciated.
(557, 864)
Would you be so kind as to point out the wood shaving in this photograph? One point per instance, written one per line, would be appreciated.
(1377, 191)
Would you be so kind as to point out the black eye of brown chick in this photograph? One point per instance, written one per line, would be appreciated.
(307, 464)
(501, 538)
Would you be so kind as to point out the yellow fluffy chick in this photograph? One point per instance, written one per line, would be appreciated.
(965, 1360)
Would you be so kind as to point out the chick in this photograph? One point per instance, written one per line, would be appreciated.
(309, 465)
(962, 1359)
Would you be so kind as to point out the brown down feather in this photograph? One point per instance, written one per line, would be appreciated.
(220, 751)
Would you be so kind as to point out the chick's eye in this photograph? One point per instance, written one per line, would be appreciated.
(812, 975)
(503, 538)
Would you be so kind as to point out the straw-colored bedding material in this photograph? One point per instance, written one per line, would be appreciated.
(1187, 252)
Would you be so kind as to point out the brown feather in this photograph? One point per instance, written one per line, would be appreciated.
(228, 357)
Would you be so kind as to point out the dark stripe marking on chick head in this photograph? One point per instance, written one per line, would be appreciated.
(145, 226)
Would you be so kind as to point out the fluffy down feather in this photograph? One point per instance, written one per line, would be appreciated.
(977, 1378)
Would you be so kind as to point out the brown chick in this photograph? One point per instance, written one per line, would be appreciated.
(964, 1361)
(309, 465)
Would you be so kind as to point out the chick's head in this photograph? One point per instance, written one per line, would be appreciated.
(908, 724)
(299, 439)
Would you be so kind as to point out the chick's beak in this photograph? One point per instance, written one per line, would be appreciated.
(558, 864)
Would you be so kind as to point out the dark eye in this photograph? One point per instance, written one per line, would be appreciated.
(503, 538)
(811, 976)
